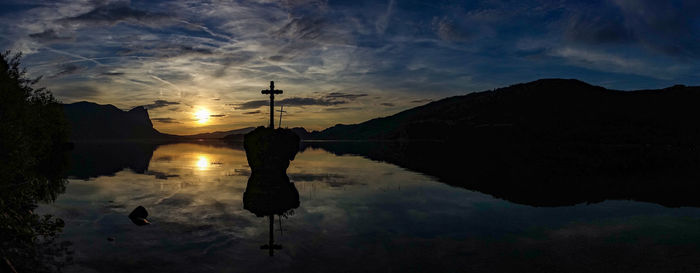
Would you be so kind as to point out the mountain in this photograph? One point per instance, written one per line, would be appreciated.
(543, 110)
(91, 121)
(221, 134)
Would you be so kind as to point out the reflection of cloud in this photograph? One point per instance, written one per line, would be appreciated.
(333, 180)
(308, 177)
(161, 175)
(165, 158)
(242, 172)
(177, 201)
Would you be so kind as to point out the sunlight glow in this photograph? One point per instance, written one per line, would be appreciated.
(202, 115)
(202, 163)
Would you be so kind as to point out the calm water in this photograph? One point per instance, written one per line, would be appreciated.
(355, 215)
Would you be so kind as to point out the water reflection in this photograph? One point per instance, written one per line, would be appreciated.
(350, 209)
(269, 195)
(559, 175)
(202, 163)
(269, 191)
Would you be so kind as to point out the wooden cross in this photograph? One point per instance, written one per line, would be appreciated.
(272, 93)
(281, 110)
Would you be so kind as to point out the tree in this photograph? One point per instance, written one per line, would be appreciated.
(33, 134)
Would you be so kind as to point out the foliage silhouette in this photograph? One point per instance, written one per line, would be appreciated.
(32, 152)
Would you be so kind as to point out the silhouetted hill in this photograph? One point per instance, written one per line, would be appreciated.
(222, 134)
(91, 121)
(545, 143)
(543, 110)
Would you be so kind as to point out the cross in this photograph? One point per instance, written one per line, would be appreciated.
(281, 110)
(272, 93)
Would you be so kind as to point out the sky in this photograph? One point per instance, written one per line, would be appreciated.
(199, 66)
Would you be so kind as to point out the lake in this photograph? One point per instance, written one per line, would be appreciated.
(356, 214)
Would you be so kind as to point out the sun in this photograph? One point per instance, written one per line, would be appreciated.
(202, 115)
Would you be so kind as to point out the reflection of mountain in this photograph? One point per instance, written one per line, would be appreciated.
(94, 159)
(105, 159)
(552, 109)
(547, 174)
(89, 121)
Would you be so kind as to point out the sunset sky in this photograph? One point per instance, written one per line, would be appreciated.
(338, 61)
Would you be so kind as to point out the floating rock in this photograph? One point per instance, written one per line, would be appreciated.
(138, 216)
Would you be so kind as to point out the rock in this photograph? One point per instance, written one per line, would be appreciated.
(138, 216)
(270, 150)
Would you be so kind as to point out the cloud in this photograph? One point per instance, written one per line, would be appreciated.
(67, 69)
(304, 28)
(77, 92)
(341, 109)
(388, 104)
(217, 116)
(165, 120)
(331, 99)
(160, 103)
(114, 13)
(180, 50)
(599, 26)
(449, 30)
(251, 104)
(296, 101)
(597, 58)
(340, 95)
(669, 27)
(49, 36)
(110, 73)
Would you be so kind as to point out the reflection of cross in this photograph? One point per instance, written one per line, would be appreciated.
(272, 93)
(281, 229)
(271, 245)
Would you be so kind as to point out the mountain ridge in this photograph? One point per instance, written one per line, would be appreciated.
(546, 108)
